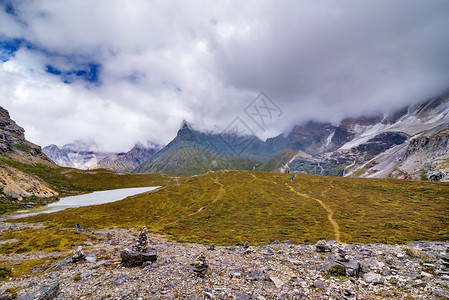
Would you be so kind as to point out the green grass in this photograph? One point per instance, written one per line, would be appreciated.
(22, 147)
(261, 207)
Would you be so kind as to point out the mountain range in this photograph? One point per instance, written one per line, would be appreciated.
(79, 155)
(409, 143)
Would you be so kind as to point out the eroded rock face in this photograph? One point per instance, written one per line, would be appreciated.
(10, 132)
(19, 185)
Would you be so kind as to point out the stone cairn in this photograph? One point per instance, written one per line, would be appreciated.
(140, 253)
(79, 255)
(141, 244)
(200, 266)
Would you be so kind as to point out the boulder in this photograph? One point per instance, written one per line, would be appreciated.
(47, 292)
(136, 259)
(322, 246)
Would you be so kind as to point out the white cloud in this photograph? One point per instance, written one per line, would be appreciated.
(164, 61)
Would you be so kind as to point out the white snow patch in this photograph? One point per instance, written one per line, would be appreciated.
(365, 133)
(329, 138)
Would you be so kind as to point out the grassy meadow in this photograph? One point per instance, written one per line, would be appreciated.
(230, 207)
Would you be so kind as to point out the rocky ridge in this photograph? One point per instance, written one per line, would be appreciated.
(80, 155)
(14, 183)
(326, 270)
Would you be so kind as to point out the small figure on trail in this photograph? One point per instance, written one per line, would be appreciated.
(405, 176)
(78, 226)
(293, 176)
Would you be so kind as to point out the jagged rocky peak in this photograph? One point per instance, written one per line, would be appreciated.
(14, 143)
(10, 133)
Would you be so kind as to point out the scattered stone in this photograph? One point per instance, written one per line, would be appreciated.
(351, 267)
(291, 272)
(47, 292)
(120, 279)
(373, 278)
(246, 245)
(256, 274)
(103, 262)
(87, 274)
(322, 246)
(277, 282)
(88, 243)
(319, 284)
(348, 295)
(211, 247)
(90, 257)
(200, 266)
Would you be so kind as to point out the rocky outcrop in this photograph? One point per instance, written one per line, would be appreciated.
(14, 144)
(47, 292)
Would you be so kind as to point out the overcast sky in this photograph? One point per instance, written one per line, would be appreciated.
(119, 72)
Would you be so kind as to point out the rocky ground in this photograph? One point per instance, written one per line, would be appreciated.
(326, 270)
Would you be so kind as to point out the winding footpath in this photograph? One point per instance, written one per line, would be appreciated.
(330, 213)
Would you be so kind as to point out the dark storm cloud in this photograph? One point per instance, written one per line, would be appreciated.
(157, 63)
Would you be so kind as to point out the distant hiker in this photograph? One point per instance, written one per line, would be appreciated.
(78, 226)
(293, 176)
(405, 176)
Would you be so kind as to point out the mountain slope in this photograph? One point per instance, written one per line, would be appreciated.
(368, 146)
(194, 152)
(15, 184)
(411, 141)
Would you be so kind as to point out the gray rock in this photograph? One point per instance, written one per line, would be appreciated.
(103, 262)
(277, 282)
(61, 264)
(90, 257)
(256, 275)
(136, 259)
(47, 292)
(120, 279)
(322, 246)
(319, 284)
(373, 278)
(79, 255)
(348, 295)
(87, 274)
(352, 268)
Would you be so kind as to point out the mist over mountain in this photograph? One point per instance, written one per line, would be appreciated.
(411, 141)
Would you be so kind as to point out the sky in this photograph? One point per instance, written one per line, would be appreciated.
(117, 72)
